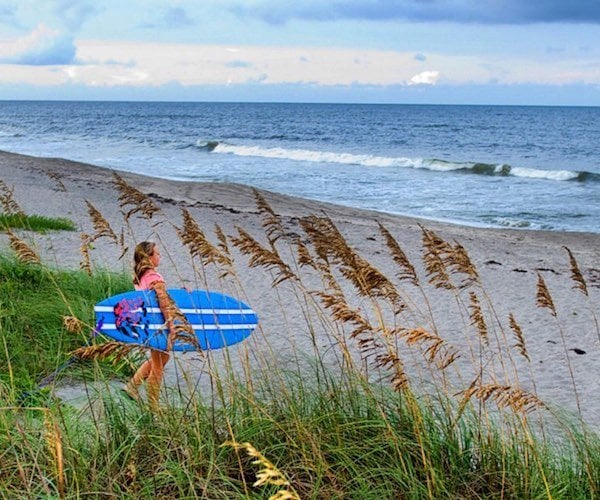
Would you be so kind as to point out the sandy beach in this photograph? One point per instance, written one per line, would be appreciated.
(564, 365)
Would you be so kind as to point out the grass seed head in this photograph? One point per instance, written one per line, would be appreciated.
(576, 275)
(520, 345)
(101, 226)
(505, 396)
(117, 350)
(399, 379)
(263, 257)
(544, 299)
(58, 180)
(54, 444)
(433, 250)
(436, 348)
(407, 270)
(8, 202)
(477, 318)
(268, 473)
(23, 251)
(84, 250)
(134, 198)
(271, 221)
(73, 324)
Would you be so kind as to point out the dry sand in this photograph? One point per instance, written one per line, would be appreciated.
(565, 375)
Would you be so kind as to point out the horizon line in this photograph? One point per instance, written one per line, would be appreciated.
(333, 103)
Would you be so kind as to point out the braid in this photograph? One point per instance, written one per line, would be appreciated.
(141, 259)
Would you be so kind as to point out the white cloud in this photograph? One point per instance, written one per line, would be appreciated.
(42, 47)
(142, 64)
(214, 64)
(425, 78)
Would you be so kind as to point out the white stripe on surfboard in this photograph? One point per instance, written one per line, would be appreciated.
(248, 326)
(110, 309)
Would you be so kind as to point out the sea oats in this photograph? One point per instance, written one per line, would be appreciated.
(399, 380)
(122, 244)
(436, 348)
(369, 281)
(101, 226)
(341, 311)
(58, 180)
(200, 246)
(268, 473)
(407, 270)
(271, 221)
(54, 444)
(368, 338)
(223, 245)
(263, 257)
(330, 245)
(181, 330)
(84, 250)
(225, 258)
(105, 350)
(316, 230)
(544, 299)
(505, 396)
(194, 238)
(73, 324)
(443, 260)
(434, 249)
(304, 256)
(369, 345)
(461, 263)
(8, 201)
(138, 201)
(477, 318)
(23, 251)
(576, 274)
(520, 345)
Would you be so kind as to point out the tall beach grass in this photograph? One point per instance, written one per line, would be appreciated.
(354, 420)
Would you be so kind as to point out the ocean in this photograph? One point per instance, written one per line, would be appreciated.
(493, 166)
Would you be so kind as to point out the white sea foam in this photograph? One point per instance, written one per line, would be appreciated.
(315, 156)
(440, 165)
(9, 133)
(510, 222)
(383, 161)
(553, 175)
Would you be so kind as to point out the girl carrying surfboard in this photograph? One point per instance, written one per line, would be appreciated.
(146, 259)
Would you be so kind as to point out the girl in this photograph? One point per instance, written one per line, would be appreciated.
(146, 259)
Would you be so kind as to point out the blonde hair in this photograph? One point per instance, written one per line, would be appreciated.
(141, 259)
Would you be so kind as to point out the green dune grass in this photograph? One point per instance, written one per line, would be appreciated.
(37, 223)
(307, 435)
(34, 302)
(298, 429)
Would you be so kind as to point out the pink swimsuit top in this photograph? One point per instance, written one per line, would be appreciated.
(147, 279)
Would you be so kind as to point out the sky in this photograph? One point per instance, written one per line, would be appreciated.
(531, 52)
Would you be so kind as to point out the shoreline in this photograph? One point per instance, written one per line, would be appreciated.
(62, 162)
(508, 261)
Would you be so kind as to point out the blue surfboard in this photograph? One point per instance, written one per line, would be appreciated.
(218, 320)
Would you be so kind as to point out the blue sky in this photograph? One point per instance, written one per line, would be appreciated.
(404, 51)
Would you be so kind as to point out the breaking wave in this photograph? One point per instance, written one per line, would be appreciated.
(202, 145)
(436, 165)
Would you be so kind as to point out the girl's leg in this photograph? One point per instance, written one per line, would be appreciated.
(158, 360)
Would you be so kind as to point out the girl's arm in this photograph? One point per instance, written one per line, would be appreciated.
(166, 308)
